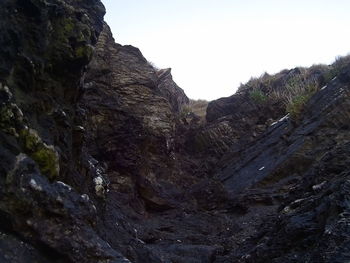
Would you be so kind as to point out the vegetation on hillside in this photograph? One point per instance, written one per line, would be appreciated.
(292, 87)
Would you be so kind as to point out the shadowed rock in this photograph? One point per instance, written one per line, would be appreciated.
(101, 162)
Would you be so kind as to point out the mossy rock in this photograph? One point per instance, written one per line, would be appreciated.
(84, 52)
(31, 140)
(44, 155)
(47, 159)
(6, 115)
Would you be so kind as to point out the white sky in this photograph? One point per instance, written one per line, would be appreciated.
(214, 45)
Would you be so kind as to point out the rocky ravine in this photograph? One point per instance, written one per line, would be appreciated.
(98, 163)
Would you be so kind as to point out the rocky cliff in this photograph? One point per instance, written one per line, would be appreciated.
(102, 160)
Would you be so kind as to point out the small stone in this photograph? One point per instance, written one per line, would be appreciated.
(99, 186)
(286, 210)
(59, 199)
(33, 184)
(85, 197)
(79, 128)
(141, 241)
(318, 187)
(64, 185)
(98, 180)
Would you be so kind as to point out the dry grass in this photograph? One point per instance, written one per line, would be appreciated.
(295, 86)
(199, 107)
(292, 87)
(196, 107)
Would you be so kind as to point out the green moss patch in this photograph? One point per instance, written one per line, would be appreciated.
(44, 155)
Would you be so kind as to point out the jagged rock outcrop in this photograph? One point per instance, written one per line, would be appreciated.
(235, 120)
(99, 164)
(174, 94)
(132, 110)
(239, 119)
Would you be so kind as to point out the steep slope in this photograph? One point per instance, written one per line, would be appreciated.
(242, 117)
(291, 184)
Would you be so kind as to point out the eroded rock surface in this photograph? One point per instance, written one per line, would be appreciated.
(131, 114)
(100, 162)
(45, 46)
(291, 171)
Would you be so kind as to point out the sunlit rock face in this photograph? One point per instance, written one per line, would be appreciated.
(103, 160)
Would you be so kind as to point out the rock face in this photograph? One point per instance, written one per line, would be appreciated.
(172, 92)
(299, 171)
(45, 46)
(100, 161)
(131, 111)
(239, 119)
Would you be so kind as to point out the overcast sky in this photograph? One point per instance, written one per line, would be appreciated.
(213, 46)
